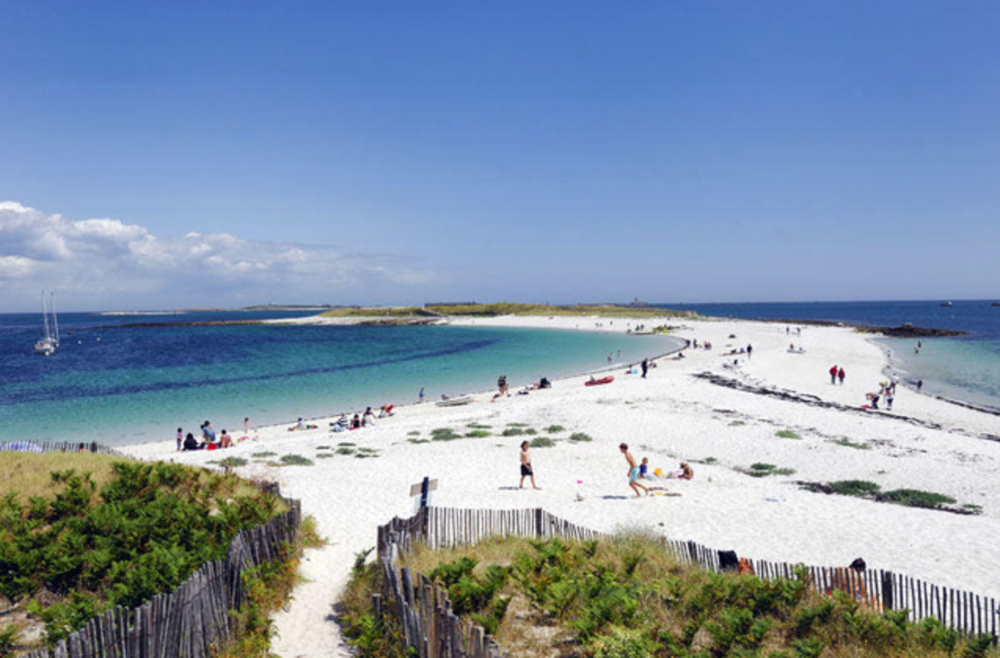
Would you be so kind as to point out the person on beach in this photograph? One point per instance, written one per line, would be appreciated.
(833, 374)
(356, 422)
(190, 443)
(246, 426)
(633, 472)
(645, 367)
(920, 385)
(644, 469)
(526, 470)
(890, 395)
(421, 396)
(749, 350)
(180, 439)
(368, 420)
(840, 375)
(207, 432)
(851, 579)
(226, 440)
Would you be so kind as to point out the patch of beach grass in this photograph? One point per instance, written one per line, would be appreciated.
(324, 455)
(916, 498)
(345, 450)
(517, 424)
(737, 423)
(555, 429)
(477, 434)
(264, 454)
(295, 460)
(760, 470)
(479, 426)
(580, 437)
(860, 488)
(513, 431)
(324, 447)
(444, 434)
(413, 433)
(847, 443)
(787, 434)
(231, 462)
(542, 442)
(346, 444)
(419, 440)
(710, 460)
(29, 474)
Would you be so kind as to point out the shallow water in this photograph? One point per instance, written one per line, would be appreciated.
(127, 385)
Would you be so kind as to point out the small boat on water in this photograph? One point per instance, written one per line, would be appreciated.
(598, 382)
(46, 346)
(995, 304)
(947, 304)
(455, 401)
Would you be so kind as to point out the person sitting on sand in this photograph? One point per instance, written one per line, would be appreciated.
(644, 469)
(369, 418)
(356, 422)
(686, 472)
(301, 424)
(207, 433)
(633, 472)
(227, 441)
(526, 470)
(190, 443)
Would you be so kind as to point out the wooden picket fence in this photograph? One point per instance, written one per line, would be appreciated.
(429, 623)
(59, 446)
(194, 619)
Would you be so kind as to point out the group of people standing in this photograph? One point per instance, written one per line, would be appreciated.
(837, 373)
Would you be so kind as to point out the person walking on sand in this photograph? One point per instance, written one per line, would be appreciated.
(833, 374)
(526, 470)
(645, 367)
(840, 375)
(633, 472)
(749, 350)
(421, 394)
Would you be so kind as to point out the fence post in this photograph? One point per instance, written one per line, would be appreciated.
(538, 523)
(888, 595)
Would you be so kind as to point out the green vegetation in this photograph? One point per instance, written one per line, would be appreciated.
(295, 460)
(555, 429)
(479, 426)
(324, 455)
(514, 431)
(419, 440)
(626, 597)
(542, 442)
(87, 542)
(517, 425)
(906, 497)
(787, 434)
(444, 434)
(264, 454)
(324, 447)
(737, 423)
(760, 470)
(508, 308)
(231, 462)
(346, 444)
(477, 434)
(345, 450)
(579, 437)
(847, 443)
(710, 460)
(413, 433)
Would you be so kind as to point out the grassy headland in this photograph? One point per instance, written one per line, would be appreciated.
(509, 308)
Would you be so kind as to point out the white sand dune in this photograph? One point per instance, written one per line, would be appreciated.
(668, 417)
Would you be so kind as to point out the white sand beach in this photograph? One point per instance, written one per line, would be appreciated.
(673, 415)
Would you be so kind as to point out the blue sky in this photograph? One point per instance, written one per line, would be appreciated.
(403, 152)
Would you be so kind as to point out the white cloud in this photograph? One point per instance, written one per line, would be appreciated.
(107, 263)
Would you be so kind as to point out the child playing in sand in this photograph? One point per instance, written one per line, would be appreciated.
(526, 470)
(633, 472)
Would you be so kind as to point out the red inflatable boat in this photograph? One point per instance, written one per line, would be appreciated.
(602, 380)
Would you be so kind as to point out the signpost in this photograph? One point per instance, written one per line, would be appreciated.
(423, 489)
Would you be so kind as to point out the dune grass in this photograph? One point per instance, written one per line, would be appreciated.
(542, 442)
(295, 460)
(580, 437)
(627, 597)
(787, 434)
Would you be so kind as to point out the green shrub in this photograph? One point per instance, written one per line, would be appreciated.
(296, 460)
(513, 431)
(232, 462)
(579, 437)
(413, 433)
(264, 454)
(860, 488)
(555, 429)
(916, 498)
(419, 440)
(542, 442)
(477, 434)
(517, 424)
(444, 434)
(759, 469)
(621, 642)
(345, 450)
(737, 423)
(851, 444)
(479, 426)
(346, 444)
(787, 434)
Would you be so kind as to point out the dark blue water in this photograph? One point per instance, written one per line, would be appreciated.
(964, 368)
(129, 384)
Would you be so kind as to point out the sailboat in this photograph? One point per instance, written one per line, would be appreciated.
(46, 346)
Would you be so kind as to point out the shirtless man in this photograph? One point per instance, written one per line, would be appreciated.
(526, 470)
(633, 472)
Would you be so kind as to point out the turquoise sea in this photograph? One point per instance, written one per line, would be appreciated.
(125, 384)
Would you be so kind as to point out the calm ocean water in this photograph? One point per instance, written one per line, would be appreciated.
(966, 368)
(127, 385)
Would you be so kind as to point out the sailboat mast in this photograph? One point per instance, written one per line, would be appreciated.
(55, 316)
(45, 317)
